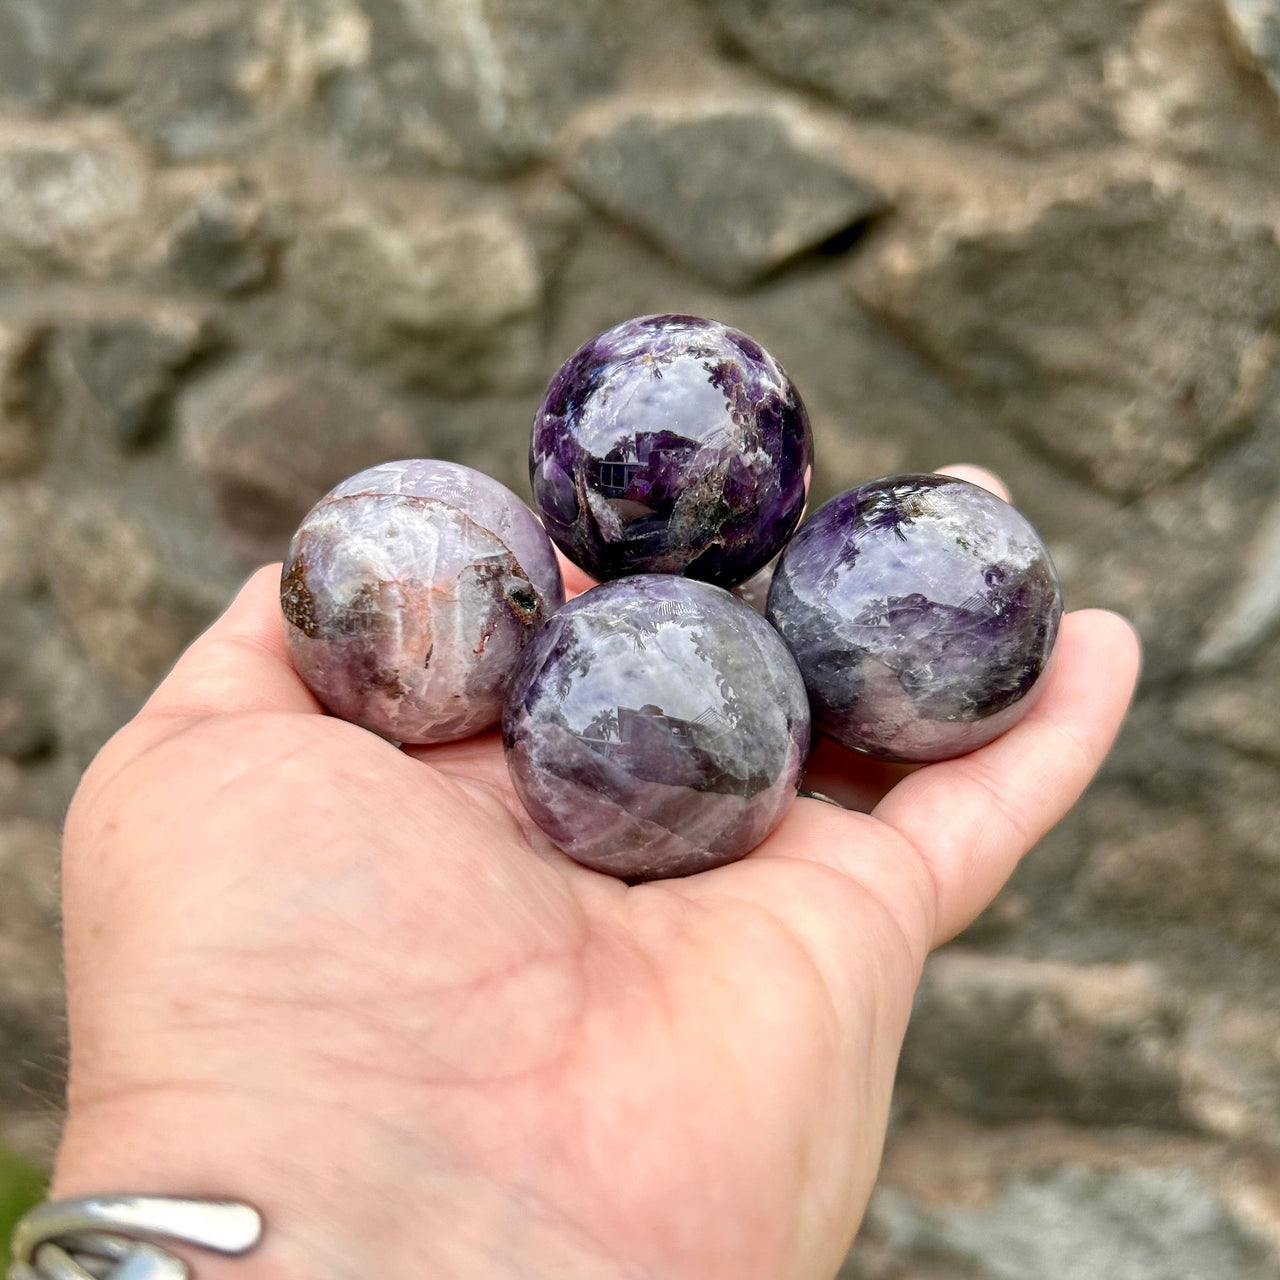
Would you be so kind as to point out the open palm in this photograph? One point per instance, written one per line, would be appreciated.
(355, 985)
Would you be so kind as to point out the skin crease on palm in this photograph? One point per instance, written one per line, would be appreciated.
(355, 986)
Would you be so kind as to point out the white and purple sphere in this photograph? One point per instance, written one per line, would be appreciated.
(922, 611)
(409, 592)
(657, 727)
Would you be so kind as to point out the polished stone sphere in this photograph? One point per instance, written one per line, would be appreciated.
(656, 727)
(671, 444)
(921, 610)
(409, 592)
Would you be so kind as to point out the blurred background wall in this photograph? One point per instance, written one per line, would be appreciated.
(250, 246)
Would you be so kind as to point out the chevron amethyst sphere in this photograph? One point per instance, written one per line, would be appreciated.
(671, 444)
(410, 591)
(921, 610)
(656, 727)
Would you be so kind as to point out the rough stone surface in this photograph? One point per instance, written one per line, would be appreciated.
(1180, 92)
(68, 194)
(1257, 25)
(22, 444)
(1231, 1069)
(125, 593)
(33, 55)
(731, 193)
(1032, 72)
(1000, 1036)
(1075, 1223)
(119, 370)
(656, 727)
(1252, 615)
(1228, 708)
(1184, 835)
(965, 1202)
(1109, 370)
(1171, 862)
(222, 239)
(448, 303)
(31, 1030)
(272, 440)
(23, 511)
(26, 721)
(189, 79)
(1135, 559)
(475, 86)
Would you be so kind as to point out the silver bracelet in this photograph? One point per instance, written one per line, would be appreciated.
(120, 1237)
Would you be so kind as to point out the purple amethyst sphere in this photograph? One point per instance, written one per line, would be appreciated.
(656, 727)
(409, 592)
(922, 611)
(671, 444)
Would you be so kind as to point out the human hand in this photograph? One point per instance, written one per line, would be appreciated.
(357, 987)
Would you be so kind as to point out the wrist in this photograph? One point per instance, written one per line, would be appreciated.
(340, 1200)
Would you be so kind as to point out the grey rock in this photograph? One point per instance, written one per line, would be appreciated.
(271, 441)
(23, 425)
(1231, 1070)
(32, 1037)
(121, 370)
(1257, 25)
(1185, 833)
(24, 513)
(30, 955)
(1133, 372)
(83, 706)
(1153, 864)
(222, 241)
(69, 194)
(732, 193)
(1071, 1222)
(27, 725)
(553, 217)
(188, 78)
(1253, 613)
(1003, 1037)
(1237, 708)
(479, 86)
(130, 585)
(1028, 72)
(34, 57)
(1182, 89)
(1171, 560)
(1248, 810)
(445, 299)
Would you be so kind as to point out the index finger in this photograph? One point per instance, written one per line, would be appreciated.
(240, 664)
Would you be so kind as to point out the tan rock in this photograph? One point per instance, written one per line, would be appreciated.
(448, 300)
(70, 193)
(1130, 373)
(1002, 1036)
(22, 425)
(1231, 1070)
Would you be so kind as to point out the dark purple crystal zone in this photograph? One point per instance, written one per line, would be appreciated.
(671, 444)
(656, 727)
(922, 611)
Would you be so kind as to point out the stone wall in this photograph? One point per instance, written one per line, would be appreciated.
(250, 246)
